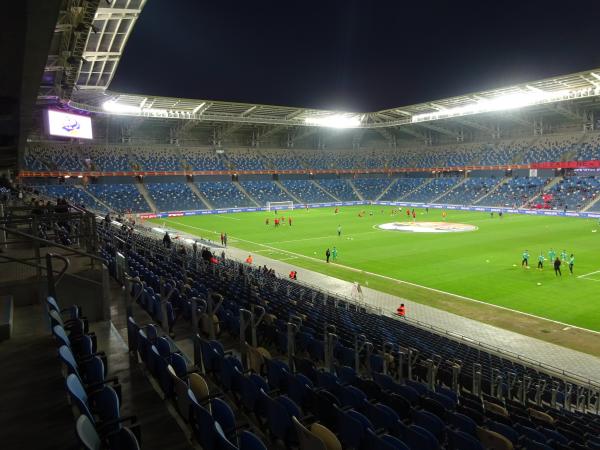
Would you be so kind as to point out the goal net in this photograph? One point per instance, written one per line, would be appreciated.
(273, 206)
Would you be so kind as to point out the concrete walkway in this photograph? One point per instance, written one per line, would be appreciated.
(558, 360)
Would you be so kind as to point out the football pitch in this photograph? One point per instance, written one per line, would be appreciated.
(483, 264)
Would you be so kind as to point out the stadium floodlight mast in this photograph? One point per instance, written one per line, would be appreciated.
(335, 121)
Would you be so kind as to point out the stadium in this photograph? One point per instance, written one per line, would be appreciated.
(197, 273)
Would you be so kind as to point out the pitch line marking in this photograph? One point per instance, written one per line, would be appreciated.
(587, 274)
(353, 269)
(331, 236)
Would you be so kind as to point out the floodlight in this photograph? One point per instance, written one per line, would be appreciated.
(118, 108)
(335, 121)
(517, 100)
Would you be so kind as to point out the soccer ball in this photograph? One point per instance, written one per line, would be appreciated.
(539, 284)
(528, 267)
(487, 260)
(314, 253)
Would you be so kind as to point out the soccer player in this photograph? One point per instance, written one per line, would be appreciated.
(225, 239)
(557, 271)
(525, 261)
(334, 254)
(327, 254)
(414, 215)
(339, 230)
(337, 210)
(541, 261)
(267, 221)
(222, 238)
(444, 215)
(571, 263)
(551, 255)
(290, 221)
(408, 212)
(563, 256)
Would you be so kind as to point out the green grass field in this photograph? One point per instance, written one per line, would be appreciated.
(484, 264)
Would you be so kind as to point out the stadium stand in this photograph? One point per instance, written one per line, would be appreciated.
(340, 188)
(515, 192)
(306, 191)
(571, 193)
(174, 196)
(371, 188)
(265, 191)
(202, 159)
(70, 193)
(106, 159)
(402, 405)
(428, 192)
(245, 160)
(155, 158)
(402, 187)
(471, 190)
(223, 194)
(52, 156)
(120, 197)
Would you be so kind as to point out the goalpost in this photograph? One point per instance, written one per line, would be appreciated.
(275, 206)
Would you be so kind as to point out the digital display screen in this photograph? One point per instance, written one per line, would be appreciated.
(69, 125)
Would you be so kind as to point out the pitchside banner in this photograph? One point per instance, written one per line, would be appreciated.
(535, 212)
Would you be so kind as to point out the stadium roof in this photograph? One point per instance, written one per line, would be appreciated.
(91, 35)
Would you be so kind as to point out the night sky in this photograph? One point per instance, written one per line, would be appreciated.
(352, 55)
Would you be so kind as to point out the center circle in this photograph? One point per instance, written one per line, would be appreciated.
(427, 227)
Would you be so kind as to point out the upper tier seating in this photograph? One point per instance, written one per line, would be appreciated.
(282, 159)
(199, 159)
(306, 191)
(248, 160)
(224, 194)
(156, 159)
(120, 197)
(174, 197)
(551, 148)
(52, 157)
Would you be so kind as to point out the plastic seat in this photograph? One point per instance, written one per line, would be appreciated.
(88, 437)
(307, 439)
(494, 440)
(180, 389)
(463, 441)
(202, 424)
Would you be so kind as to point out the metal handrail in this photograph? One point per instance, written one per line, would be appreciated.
(55, 244)
(61, 274)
